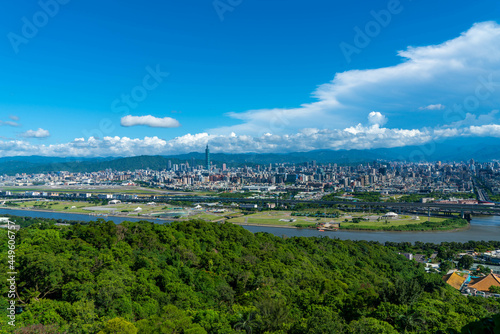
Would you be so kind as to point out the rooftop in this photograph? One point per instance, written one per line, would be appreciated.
(484, 283)
(454, 280)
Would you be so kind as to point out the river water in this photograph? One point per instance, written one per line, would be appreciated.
(71, 216)
(481, 228)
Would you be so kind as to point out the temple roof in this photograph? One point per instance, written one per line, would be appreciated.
(454, 280)
(484, 283)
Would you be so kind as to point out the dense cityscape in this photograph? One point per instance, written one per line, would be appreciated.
(378, 176)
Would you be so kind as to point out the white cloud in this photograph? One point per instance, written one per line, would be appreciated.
(355, 137)
(155, 122)
(376, 118)
(40, 133)
(490, 130)
(14, 117)
(433, 107)
(464, 71)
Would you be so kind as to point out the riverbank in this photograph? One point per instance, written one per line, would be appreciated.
(358, 230)
(270, 225)
(444, 225)
(485, 228)
(275, 222)
(92, 216)
(450, 230)
(124, 216)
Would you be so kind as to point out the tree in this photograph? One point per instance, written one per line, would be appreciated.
(42, 272)
(465, 262)
(171, 320)
(273, 312)
(483, 270)
(404, 291)
(371, 326)
(445, 266)
(118, 326)
(445, 253)
(494, 289)
(247, 323)
(323, 320)
(486, 325)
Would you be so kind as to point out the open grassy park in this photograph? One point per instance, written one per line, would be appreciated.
(356, 221)
(126, 209)
(304, 218)
(92, 208)
(278, 218)
(374, 224)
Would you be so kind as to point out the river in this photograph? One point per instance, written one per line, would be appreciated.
(482, 228)
(71, 216)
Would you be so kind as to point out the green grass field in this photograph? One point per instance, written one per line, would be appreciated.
(87, 207)
(66, 206)
(273, 218)
(388, 223)
(121, 209)
(206, 216)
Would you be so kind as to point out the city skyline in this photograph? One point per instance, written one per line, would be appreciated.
(90, 80)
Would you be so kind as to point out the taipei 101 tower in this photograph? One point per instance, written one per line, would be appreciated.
(207, 158)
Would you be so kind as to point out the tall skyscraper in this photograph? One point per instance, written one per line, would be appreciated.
(207, 158)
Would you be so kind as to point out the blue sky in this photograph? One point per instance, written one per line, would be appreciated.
(245, 76)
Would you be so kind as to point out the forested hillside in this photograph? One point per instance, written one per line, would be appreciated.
(199, 277)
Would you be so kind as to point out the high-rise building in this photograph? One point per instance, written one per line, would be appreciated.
(207, 158)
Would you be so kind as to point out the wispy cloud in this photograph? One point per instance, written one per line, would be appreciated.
(10, 123)
(477, 120)
(155, 122)
(433, 107)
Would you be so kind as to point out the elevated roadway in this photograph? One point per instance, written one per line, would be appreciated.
(460, 208)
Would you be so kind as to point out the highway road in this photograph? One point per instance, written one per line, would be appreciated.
(390, 205)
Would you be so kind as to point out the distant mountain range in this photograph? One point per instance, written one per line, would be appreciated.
(464, 149)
